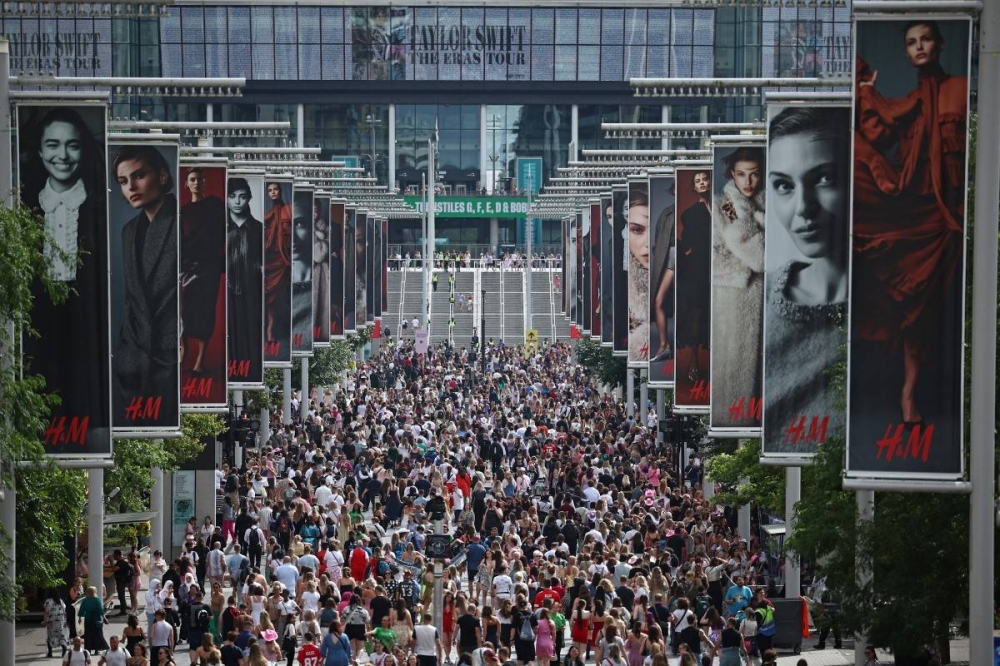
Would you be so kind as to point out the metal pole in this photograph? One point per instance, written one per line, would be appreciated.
(630, 393)
(304, 402)
(984, 337)
(438, 601)
(95, 525)
(744, 522)
(866, 513)
(529, 227)
(8, 509)
(793, 493)
(431, 242)
(643, 394)
(661, 405)
(286, 397)
(156, 507)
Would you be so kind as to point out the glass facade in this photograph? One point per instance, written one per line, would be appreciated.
(527, 130)
(457, 127)
(360, 130)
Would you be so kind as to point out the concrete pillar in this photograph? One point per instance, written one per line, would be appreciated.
(265, 426)
(494, 233)
(156, 507)
(286, 397)
(866, 513)
(304, 402)
(8, 518)
(643, 393)
(793, 493)
(391, 160)
(744, 522)
(629, 392)
(95, 524)
(300, 129)
(204, 494)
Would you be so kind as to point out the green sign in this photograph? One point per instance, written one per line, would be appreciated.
(473, 206)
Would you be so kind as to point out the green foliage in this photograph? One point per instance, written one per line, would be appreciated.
(743, 479)
(50, 504)
(599, 360)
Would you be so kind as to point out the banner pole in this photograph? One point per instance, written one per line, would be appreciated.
(286, 396)
(984, 336)
(629, 392)
(793, 493)
(862, 566)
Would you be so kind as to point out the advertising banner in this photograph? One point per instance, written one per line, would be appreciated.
(564, 267)
(805, 276)
(321, 271)
(245, 279)
(662, 268)
(692, 289)
(905, 361)
(572, 223)
(338, 213)
(637, 230)
(377, 264)
(584, 248)
(607, 273)
(619, 204)
(302, 271)
(350, 272)
(594, 274)
(578, 271)
(145, 303)
(278, 273)
(371, 256)
(204, 217)
(361, 269)
(738, 196)
(62, 163)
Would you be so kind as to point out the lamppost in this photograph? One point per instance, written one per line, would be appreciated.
(372, 156)
(482, 329)
(494, 125)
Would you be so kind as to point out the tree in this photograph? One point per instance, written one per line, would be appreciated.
(25, 409)
(742, 478)
(607, 368)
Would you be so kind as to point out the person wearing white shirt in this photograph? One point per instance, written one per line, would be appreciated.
(116, 655)
(287, 573)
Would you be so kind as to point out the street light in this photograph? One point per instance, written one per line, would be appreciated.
(493, 126)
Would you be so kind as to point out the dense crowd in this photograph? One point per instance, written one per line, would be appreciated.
(569, 535)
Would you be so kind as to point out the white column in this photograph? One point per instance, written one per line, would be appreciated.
(984, 337)
(665, 117)
(643, 403)
(209, 114)
(265, 426)
(204, 494)
(744, 522)
(156, 507)
(574, 135)
(866, 513)
(793, 493)
(304, 402)
(391, 163)
(95, 524)
(661, 406)
(286, 397)
(300, 129)
(494, 233)
(629, 392)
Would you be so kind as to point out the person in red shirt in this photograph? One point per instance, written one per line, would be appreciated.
(546, 593)
(309, 654)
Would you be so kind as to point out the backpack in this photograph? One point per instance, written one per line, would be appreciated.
(254, 539)
(526, 632)
(231, 484)
(202, 618)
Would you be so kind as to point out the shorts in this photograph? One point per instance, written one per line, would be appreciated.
(194, 638)
(472, 575)
(356, 632)
(423, 660)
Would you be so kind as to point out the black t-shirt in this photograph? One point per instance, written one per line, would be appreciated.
(231, 655)
(467, 625)
(731, 638)
(626, 594)
(380, 607)
(675, 543)
(692, 636)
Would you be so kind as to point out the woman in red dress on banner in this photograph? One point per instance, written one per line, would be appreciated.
(909, 210)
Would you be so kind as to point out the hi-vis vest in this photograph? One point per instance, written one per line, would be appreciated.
(766, 616)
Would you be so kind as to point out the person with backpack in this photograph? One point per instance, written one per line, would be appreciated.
(199, 617)
(525, 624)
(254, 538)
(123, 574)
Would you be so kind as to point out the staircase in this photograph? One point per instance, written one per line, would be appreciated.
(493, 305)
(513, 307)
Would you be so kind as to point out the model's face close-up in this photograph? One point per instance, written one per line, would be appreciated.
(638, 233)
(702, 182)
(238, 201)
(746, 175)
(195, 183)
(301, 232)
(922, 47)
(274, 192)
(61, 151)
(140, 185)
(808, 192)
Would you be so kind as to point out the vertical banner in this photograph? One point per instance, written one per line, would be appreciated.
(278, 273)
(578, 272)
(607, 272)
(805, 276)
(564, 266)
(371, 257)
(619, 251)
(145, 303)
(245, 279)
(337, 217)
(350, 274)
(905, 363)
(529, 175)
(595, 270)
(385, 265)
(321, 271)
(737, 289)
(62, 159)
(361, 269)
(692, 289)
(203, 287)
(637, 229)
(584, 246)
(662, 268)
(570, 284)
(302, 271)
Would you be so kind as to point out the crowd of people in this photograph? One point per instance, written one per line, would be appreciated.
(454, 260)
(569, 536)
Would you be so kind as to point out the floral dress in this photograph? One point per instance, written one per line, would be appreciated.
(55, 624)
